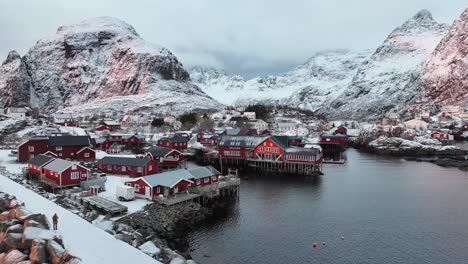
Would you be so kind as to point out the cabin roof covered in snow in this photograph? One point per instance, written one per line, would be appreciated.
(59, 165)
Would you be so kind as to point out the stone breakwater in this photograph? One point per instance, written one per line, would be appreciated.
(26, 238)
(165, 227)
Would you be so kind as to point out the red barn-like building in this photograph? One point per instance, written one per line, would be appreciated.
(178, 143)
(66, 147)
(166, 157)
(133, 167)
(238, 147)
(36, 164)
(31, 148)
(133, 139)
(61, 173)
(170, 183)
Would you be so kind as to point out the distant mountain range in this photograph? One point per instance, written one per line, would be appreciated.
(361, 85)
(102, 65)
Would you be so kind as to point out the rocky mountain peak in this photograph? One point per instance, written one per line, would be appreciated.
(445, 78)
(12, 56)
(100, 64)
(423, 14)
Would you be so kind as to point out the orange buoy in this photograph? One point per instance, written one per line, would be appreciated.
(314, 245)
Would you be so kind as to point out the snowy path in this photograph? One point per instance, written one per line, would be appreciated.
(81, 238)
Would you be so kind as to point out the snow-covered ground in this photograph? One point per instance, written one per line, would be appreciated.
(111, 185)
(90, 243)
(77, 131)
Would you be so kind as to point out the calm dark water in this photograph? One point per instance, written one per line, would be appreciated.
(389, 210)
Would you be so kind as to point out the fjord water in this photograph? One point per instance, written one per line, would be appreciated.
(389, 210)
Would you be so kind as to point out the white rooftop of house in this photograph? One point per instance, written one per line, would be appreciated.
(63, 115)
(171, 178)
(59, 165)
(17, 110)
(111, 122)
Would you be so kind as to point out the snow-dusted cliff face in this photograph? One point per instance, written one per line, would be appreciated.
(102, 64)
(217, 83)
(390, 79)
(319, 80)
(15, 85)
(445, 78)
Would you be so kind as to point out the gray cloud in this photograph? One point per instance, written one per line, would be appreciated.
(243, 36)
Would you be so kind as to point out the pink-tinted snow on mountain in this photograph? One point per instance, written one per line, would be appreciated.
(103, 64)
(445, 78)
(390, 79)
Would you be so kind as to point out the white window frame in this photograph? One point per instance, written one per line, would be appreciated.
(31, 148)
(150, 167)
(109, 167)
(73, 167)
(124, 168)
(75, 175)
(206, 180)
(158, 189)
(58, 148)
(197, 181)
(86, 155)
(137, 187)
(139, 169)
(84, 175)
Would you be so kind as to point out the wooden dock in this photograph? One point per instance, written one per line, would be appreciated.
(105, 205)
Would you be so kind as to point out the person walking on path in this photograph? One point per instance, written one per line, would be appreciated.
(55, 221)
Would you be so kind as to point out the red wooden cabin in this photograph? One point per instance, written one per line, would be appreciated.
(271, 148)
(61, 173)
(170, 183)
(111, 125)
(340, 130)
(36, 164)
(31, 148)
(86, 153)
(133, 167)
(440, 135)
(238, 147)
(178, 143)
(334, 139)
(132, 139)
(103, 128)
(166, 157)
(66, 147)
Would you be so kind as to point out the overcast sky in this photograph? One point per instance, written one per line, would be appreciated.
(248, 37)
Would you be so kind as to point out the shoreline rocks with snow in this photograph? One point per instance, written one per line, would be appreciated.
(25, 237)
(402, 147)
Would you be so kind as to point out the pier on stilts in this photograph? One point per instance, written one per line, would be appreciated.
(226, 188)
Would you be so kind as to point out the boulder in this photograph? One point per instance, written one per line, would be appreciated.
(18, 228)
(74, 261)
(124, 237)
(7, 223)
(33, 223)
(13, 204)
(14, 240)
(38, 251)
(32, 233)
(5, 216)
(14, 257)
(178, 260)
(40, 218)
(57, 254)
(149, 248)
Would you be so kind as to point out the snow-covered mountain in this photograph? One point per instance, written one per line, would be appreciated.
(321, 78)
(15, 84)
(390, 79)
(101, 64)
(445, 78)
(343, 84)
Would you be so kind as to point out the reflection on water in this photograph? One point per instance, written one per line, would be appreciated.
(389, 210)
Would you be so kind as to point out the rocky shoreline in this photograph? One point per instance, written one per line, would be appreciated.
(165, 228)
(26, 237)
